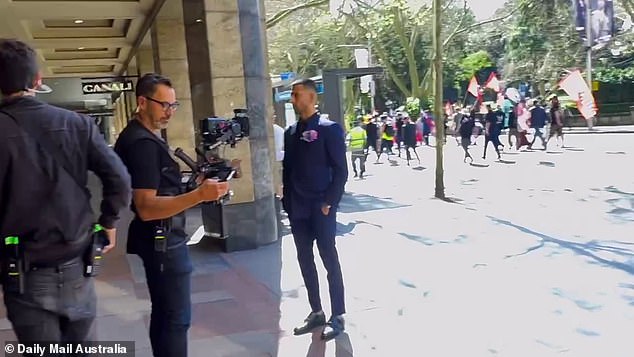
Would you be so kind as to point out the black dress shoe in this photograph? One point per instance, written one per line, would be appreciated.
(314, 320)
(334, 328)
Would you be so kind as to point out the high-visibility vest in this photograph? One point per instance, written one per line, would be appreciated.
(358, 138)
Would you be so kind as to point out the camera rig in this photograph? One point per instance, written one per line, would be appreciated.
(215, 132)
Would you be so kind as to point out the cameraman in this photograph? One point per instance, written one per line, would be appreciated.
(157, 233)
(46, 219)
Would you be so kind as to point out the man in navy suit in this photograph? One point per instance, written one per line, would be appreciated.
(315, 174)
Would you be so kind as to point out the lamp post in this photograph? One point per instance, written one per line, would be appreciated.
(590, 42)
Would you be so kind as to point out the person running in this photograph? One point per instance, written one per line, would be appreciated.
(538, 121)
(556, 122)
(492, 131)
(467, 124)
(372, 133)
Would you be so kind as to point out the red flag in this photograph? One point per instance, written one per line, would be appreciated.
(473, 87)
(493, 83)
(576, 87)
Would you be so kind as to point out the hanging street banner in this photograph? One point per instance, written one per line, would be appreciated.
(602, 23)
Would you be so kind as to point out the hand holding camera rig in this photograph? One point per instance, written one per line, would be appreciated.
(215, 132)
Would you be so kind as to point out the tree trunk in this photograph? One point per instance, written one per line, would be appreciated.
(438, 99)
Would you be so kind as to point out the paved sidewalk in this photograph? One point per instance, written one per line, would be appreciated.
(534, 258)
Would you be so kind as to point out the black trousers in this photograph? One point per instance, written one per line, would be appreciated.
(322, 229)
(170, 293)
(59, 304)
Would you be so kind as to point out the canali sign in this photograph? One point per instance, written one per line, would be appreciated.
(107, 87)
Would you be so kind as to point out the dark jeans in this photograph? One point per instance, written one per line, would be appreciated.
(322, 229)
(408, 155)
(58, 305)
(170, 292)
(494, 138)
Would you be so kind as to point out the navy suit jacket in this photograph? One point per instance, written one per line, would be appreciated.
(315, 172)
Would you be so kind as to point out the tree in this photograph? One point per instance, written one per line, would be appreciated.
(399, 36)
(282, 14)
(474, 62)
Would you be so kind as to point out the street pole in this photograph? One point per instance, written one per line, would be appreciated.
(372, 83)
(590, 43)
(590, 121)
(438, 108)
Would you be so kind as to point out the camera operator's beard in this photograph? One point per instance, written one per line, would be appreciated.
(161, 123)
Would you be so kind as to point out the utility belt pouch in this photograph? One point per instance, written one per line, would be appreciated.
(14, 265)
(94, 254)
(160, 246)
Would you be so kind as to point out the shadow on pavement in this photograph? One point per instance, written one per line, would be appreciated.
(430, 242)
(547, 163)
(343, 229)
(317, 348)
(586, 249)
(363, 203)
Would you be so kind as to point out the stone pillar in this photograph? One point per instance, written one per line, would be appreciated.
(228, 69)
(145, 60)
(259, 102)
(169, 44)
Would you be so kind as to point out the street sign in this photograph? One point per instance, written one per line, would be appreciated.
(287, 76)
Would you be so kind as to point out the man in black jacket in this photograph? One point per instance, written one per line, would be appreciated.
(45, 216)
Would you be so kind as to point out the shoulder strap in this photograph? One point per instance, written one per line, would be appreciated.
(43, 143)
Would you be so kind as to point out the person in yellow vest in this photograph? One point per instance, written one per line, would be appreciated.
(357, 139)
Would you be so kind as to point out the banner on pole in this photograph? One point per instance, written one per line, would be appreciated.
(602, 23)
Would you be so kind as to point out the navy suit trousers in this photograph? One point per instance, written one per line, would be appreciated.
(320, 228)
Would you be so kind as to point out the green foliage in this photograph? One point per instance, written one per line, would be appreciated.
(614, 75)
(413, 107)
(474, 62)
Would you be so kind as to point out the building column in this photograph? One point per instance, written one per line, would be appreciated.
(228, 69)
(170, 60)
(145, 60)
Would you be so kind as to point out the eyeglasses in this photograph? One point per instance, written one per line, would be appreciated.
(166, 105)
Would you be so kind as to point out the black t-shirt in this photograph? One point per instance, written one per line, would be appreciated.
(466, 126)
(151, 167)
(491, 119)
(372, 131)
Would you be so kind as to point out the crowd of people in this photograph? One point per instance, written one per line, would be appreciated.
(384, 133)
(528, 116)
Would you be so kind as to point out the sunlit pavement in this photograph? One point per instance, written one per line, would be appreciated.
(533, 257)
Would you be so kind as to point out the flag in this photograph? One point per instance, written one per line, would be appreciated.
(473, 87)
(576, 87)
(493, 83)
